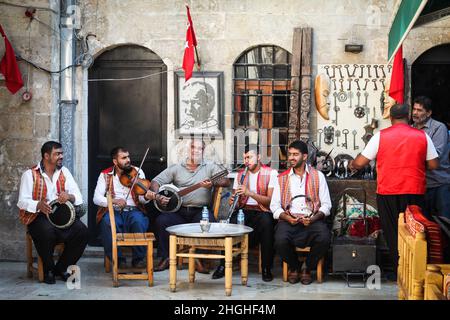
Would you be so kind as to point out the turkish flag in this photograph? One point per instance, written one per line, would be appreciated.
(191, 42)
(397, 88)
(9, 68)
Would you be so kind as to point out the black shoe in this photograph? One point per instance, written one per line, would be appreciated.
(139, 264)
(219, 272)
(49, 277)
(62, 275)
(163, 265)
(266, 275)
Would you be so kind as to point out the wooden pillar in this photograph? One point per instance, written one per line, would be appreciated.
(295, 85)
(305, 93)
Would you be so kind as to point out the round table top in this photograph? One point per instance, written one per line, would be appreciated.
(216, 230)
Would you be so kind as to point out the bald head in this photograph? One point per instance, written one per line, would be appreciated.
(400, 111)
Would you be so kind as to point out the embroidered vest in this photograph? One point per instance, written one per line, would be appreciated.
(311, 189)
(40, 193)
(262, 185)
(110, 187)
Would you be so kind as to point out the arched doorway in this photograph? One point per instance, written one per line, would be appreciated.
(131, 113)
(430, 76)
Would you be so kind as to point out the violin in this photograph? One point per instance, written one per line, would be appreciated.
(140, 187)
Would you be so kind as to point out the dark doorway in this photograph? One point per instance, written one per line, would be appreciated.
(129, 113)
(430, 76)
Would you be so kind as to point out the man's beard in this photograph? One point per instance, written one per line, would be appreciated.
(59, 165)
(298, 164)
(125, 168)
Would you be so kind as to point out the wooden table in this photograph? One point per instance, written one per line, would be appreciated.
(231, 238)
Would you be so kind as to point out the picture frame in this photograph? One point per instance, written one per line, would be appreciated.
(199, 104)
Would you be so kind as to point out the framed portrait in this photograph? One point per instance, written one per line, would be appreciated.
(199, 104)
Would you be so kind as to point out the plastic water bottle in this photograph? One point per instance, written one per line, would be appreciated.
(241, 217)
(205, 214)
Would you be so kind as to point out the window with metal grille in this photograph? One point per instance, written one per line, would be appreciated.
(261, 98)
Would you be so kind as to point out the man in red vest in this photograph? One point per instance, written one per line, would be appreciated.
(403, 154)
(47, 181)
(301, 201)
(254, 189)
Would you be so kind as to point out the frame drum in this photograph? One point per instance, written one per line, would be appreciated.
(63, 214)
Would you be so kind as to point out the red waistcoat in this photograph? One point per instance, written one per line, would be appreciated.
(401, 161)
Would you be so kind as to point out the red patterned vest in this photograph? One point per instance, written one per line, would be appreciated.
(262, 185)
(311, 189)
(401, 160)
(110, 187)
(40, 193)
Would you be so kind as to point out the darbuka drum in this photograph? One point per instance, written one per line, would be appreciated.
(62, 215)
(171, 192)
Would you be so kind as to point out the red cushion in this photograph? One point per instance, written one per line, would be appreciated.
(416, 222)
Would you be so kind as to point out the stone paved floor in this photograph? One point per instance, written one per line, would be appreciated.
(96, 284)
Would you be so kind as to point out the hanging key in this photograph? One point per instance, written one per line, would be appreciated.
(375, 88)
(368, 70)
(348, 71)
(358, 94)
(336, 108)
(350, 96)
(376, 70)
(389, 68)
(367, 81)
(320, 137)
(326, 69)
(334, 71)
(357, 83)
(345, 133)
(373, 113)
(340, 71)
(361, 74)
(354, 133)
(366, 108)
(382, 82)
(337, 134)
(382, 70)
(334, 84)
(342, 84)
(355, 66)
(349, 84)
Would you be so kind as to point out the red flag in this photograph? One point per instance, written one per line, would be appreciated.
(9, 68)
(396, 90)
(191, 42)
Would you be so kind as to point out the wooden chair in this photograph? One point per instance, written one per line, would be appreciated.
(128, 240)
(319, 269)
(39, 269)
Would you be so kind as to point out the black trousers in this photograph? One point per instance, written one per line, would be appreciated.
(165, 220)
(287, 237)
(389, 207)
(45, 237)
(262, 224)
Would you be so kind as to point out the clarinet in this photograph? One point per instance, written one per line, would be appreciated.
(236, 198)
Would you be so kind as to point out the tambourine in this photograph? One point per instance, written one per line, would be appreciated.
(171, 192)
(63, 214)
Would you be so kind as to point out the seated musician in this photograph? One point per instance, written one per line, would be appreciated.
(43, 183)
(300, 202)
(192, 170)
(255, 193)
(129, 210)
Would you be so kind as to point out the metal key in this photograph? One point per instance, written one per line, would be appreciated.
(340, 71)
(341, 81)
(362, 71)
(357, 83)
(336, 108)
(349, 84)
(389, 68)
(366, 108)
(358, 94)
(375, 87)
(345, 133)
(367, 81)
(326, 69)
(368, 70)
(337, 134)
(334, 71)
(334, 83)
(348, 71)
(355, 66)
(376, 70)
(382, 82)
(320, 137)
(382, 70)
(354, 133)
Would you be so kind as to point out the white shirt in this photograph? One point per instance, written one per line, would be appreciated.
(120, 191)
(371, 150)
(253, 181)
(26, 201)
(297, 186)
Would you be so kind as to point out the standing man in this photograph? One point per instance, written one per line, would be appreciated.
(129, 213)
(40, 185)
(437, 196)
(255, 194)
(300, 202)
(403, 154)
(190, 171)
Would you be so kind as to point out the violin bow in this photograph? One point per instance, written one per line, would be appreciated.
(137, 177)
